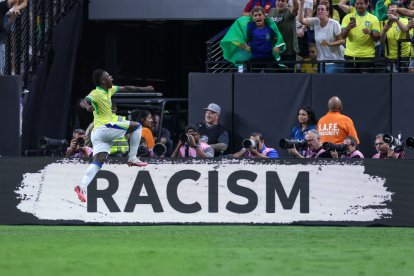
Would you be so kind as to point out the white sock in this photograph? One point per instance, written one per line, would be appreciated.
(134, 143)
(90, 173)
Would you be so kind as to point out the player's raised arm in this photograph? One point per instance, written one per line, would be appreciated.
(129, 88)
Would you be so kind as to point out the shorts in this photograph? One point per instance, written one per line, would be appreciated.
(102, 137)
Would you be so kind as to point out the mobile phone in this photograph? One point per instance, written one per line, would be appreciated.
(352, 20)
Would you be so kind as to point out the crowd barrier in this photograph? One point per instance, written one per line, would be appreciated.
(209, 191)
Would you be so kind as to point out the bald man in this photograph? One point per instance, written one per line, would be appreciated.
(335, 127)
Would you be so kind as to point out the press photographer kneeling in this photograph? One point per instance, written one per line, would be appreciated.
(389, 147)
(255, 148)
(190, 145)
(315, 149)
(77, 146)
(346, 150)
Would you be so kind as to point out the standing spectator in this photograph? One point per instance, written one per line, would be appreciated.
(212, 132)
(393, 29)
(332, 13)
(384, 150)
(335, 127)
(327, 37)
(265, 4)
(285, 19)
(9, 11)
(361, 31)
(306, 121)
(315, 149)
(259, 150)
(193, 146)
(77, 145)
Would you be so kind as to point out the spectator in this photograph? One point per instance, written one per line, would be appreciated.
(306, 121)
(384, 149)
(311, 65)
(332, 13)
(265, 4)
(285, 19)
(351, 149)
(9, 11)
(315, 149)
(193, 146)
(393, 29)
(327, 37)
(165, 136)
(259, 150)
(261, 38)
(335, 127)
(77, 145)
(361, 31)
(145, 118)
(212, 132)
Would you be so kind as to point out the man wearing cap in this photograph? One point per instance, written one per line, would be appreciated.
(77, 145)
(193, 147)
(212, 132)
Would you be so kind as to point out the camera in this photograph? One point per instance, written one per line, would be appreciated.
(249, 144)
(143, 151)
(290, 143)
(392, 141)
(80, 142)
(184, 137)
(49, 143)
(340, 148)
(159, 150)
(410, 142)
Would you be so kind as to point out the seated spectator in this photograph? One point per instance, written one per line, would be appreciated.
(77, 145)
(212, 132)
(165, 136)
(335, 127)
(384, 149)
(315, 149)
(285, 19)
(361, 31)
(393, 29)
(252, 37)
(190, 145)
(145, 118)
(257, 149)
(351, 149)
(311, 65)
(327, 37)
(306, 121)
(265, 4)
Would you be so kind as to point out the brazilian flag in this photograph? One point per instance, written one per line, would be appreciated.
(381, 9)
(237, 35)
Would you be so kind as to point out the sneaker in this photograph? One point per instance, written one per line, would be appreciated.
(136, 162)
(80, 193)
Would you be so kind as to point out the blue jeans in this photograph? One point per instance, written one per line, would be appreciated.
(2, 57)
(334, 68)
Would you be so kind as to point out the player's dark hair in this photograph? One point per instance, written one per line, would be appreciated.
(96, 76)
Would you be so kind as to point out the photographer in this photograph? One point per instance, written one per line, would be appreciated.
(190, 145)
(255, 148)
(77, 145)
(315, 149)
(386, 150)
(350, 150)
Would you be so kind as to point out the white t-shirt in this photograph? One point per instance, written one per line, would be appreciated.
(328, 33)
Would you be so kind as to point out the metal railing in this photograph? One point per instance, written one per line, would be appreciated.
(29, 37)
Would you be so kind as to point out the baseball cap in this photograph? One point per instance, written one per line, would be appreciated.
(191, 126)
(213, 107)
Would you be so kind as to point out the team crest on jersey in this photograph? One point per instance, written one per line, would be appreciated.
(367, 23)
(268, 36)
(397, 29)
(204, 138)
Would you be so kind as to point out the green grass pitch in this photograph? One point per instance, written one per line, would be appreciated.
(205, 250)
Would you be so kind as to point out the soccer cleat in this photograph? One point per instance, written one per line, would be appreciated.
(81, 195)
(137, 163)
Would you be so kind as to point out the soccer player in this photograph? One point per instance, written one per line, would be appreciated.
(105, 131)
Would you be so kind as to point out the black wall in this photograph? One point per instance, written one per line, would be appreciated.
(10, 142)
(268, 103)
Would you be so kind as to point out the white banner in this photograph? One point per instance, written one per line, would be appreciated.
(200, 191)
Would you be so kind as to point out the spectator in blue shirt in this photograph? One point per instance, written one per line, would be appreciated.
(306, 121)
